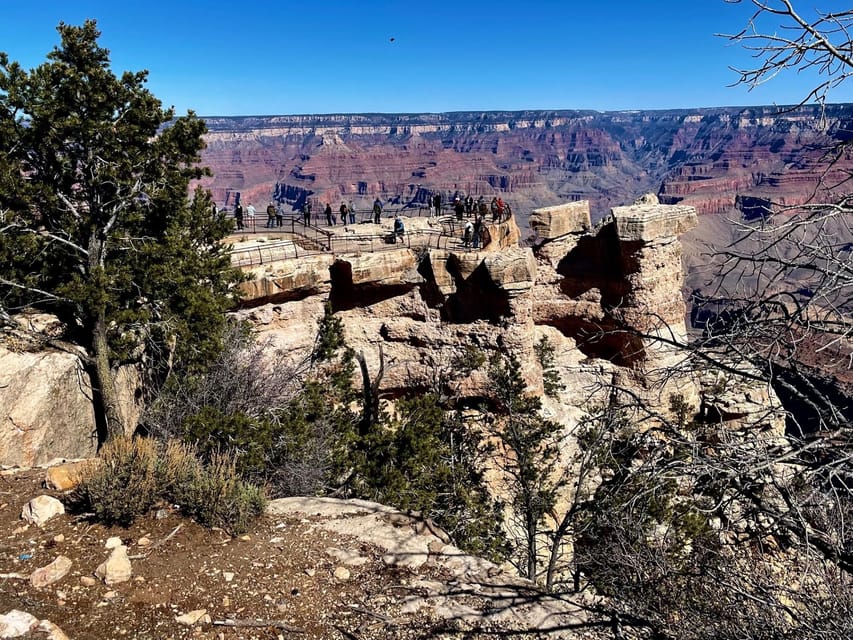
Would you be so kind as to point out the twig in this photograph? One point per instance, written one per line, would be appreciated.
(159, 543)
(167, 538)
(278, 624)
(372, 614)
(82, 535)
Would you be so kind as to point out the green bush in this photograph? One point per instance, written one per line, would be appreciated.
(248, 439)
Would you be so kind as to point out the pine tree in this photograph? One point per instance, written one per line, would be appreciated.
(95, 221)
(530, 453)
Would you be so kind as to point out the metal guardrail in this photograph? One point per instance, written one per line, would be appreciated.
(266, 253)
(324, 241)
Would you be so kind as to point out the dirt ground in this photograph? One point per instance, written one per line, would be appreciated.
(284, 582)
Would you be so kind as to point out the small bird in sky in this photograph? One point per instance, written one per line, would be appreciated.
(390, 39)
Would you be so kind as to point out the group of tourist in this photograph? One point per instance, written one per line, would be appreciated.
(472, 232)
(346, 211)
(467, 207)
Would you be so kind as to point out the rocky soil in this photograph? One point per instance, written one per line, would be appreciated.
(309, 569)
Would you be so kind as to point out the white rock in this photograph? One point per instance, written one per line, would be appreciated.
(191, 618)
(41, 509)
(228, 576)
(51, 573)
(342, 573)
(113, 542)
(53, 632)
(116, 568)
(16, 623)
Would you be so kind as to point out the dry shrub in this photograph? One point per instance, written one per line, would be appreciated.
(214, 494)
(131, 475)
(121, 484)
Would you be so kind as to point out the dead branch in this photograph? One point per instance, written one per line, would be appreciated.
(276, 624)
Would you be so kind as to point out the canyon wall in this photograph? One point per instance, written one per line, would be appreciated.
(715, 160)
(607, 296)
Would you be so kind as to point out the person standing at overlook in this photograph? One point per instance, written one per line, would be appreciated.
(343, 211)
(351, 209)
(238, 216)
(436, 204)
(459, 209)
(478, 230)
(330, 217)
(250, 215)
(377, 211)
(270, 215)
(399, 229)
(306, 214)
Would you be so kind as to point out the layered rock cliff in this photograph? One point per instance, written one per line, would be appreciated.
(706, 158)
(607, 297)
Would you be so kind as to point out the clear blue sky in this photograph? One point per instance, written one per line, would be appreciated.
(334, 56)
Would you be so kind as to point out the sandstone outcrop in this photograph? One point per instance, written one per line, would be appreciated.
(411, 543)
(45, 408)
(607, 296)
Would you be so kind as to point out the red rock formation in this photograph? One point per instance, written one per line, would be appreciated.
(705, 158)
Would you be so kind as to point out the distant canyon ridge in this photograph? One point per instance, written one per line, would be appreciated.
(717, 160)
(726, 162)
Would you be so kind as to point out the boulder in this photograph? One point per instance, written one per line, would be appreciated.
(65, 476)
(46, 409)
(41, 509)
(513, 270)
(51, 573)
(649, 222)
(116, 568)
(552, 222)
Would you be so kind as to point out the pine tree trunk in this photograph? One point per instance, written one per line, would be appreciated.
(106, 398)
(532, 549)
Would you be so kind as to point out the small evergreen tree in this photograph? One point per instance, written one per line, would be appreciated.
(544, 351)
(527, 457)
(95, 223)
(424, 459)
